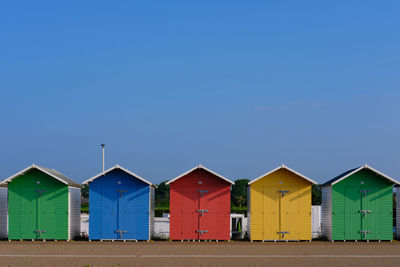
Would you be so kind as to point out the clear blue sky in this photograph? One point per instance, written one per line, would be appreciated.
(238, 86)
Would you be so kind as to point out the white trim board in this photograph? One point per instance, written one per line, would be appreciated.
(200, 167)
(366, 166)
(285, 168)
(42, 169)
(117, 167)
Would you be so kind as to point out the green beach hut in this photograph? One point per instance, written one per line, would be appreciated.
(358, 205)
(43, 204)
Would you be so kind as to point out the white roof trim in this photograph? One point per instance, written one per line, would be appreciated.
(33, 166)
(120, 168)
(286, 168)
(200, 167)
(366, 166)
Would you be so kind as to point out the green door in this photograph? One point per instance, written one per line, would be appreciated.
(370, 213)
(352, 218)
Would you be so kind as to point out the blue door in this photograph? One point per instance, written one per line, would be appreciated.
(126, 214)
(109, 211)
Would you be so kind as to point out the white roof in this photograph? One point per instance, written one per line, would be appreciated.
(51, 172)
(117, 167)
(366, 166)
(204, 168)
(286, 168)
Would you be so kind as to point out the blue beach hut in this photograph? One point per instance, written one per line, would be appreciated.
(121, 206)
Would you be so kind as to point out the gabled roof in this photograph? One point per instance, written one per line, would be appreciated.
(51, 172)
(355, 170)
(117, 167)
(200, 167)
(285, 168)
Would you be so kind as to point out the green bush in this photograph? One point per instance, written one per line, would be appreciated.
(85, 208)
(239, 210)
(158, 211)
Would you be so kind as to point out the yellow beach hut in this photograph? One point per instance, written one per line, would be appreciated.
(280, 206)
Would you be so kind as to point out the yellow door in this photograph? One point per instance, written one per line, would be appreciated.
(271, 213)
(289, 213)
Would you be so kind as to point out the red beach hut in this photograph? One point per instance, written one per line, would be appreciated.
(200, 202)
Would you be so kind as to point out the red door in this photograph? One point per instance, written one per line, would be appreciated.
(183, 215)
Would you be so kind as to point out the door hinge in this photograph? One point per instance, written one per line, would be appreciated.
(121, 192)
(202, 192)
(283, 192)
(365, 192)
(40, 192)
(202, 232)
(283, 233)
(365, 233)
(365, 212)
(120, 232)
(202, 212)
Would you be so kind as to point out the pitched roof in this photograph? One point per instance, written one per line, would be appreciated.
(51, 172)
(355, 170)
(117, 167)
(200, 167)
(285, 168)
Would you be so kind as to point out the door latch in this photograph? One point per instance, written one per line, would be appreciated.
(202, 212)
(40, 232)
(202, 192)
(365, 212)
(283, 233)
(365, 233)
(121, 192)
(120, 232)
(283, 192)
(365, 192)
(202, 232)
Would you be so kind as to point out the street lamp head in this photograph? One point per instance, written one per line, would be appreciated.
(103, 145)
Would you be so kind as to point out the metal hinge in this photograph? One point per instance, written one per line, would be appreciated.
(120, 232)
(120, 192)
(40, 192)
(202, 212)
(283, 192)
(365, 233)
(202, 231)
(365, 212)
(365, 192)
(202, 192)
(283, 233)
(40, 232)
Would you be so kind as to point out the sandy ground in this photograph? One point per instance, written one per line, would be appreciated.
(80, 253)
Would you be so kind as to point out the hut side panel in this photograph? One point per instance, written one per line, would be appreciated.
(326, 212)
(3, 212)
(362, 208)
(273, 213)
(200, 191)
(119, 207)
(38, 207)
(74, 212)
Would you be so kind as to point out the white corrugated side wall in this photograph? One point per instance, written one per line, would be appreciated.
(315, 221)
(3, 212)
(397, 212)
(326, 212)
(74, 212)
(151, 212)
(248, 212)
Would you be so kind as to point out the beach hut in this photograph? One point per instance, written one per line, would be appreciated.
(43, 204)
(280, 206)
(3, 211)
(397, 211)
(358, 205)
(200, 202)
(121, 206)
